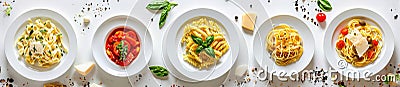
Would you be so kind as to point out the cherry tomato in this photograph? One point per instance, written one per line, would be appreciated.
(375, 42)
(340, 44)
(321, 17)
(370, 54)
(345, 31)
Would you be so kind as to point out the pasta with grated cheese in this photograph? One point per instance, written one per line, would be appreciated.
(41, 43)
(359, 43)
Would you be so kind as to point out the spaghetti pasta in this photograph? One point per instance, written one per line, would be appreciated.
(284, 44)
(359, 43)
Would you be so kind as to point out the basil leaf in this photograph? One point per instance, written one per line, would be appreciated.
(209, 40)
(123, 50)
(164, 15)
(324, 5)
(157, 4)
(173, 4)
(163, 5)
(165, 73)
(210, 51)
(197, 40)
(119, 46)
(159, 71)
(198, 50)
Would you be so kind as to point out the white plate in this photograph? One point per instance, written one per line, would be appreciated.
(35, 73)
(263, 57)
(339, 22)
(102, 33)
(175, 50)
(172, 70)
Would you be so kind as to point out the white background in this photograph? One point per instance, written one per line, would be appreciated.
(68, 8)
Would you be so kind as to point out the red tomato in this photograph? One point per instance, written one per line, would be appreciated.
(321, 17)
(370, 54)
(115, 50)
(340, 44)
(131, 41)
(133, 35)
(127, 44)
(344, 31)
(375, 42)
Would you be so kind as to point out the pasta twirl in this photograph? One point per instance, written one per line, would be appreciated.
(285, 45)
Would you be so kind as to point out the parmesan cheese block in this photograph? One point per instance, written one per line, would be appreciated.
(248, 21)
(36, 48)
(359, 42)
(86, 20)
(84, 69)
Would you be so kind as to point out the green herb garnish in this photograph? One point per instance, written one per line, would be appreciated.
(159, 71)
(28, 38)
(157, 4)
(123, 50)
(324, 5)
(210, 51)
(199, 49)
(208, 41)
(204, 45)
(197, 40)
(8, 10)
(43, 30)
(163, 5)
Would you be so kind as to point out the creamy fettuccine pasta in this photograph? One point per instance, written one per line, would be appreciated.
(41, 43)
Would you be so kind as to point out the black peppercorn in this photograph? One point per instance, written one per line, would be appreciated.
(236, 18)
